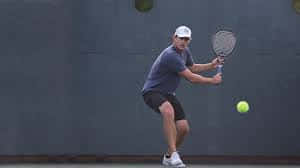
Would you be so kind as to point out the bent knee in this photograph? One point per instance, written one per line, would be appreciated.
(167, 110)
(183, 128)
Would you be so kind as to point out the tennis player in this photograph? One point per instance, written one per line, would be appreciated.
(158, 92)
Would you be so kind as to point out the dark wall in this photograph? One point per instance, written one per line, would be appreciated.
(71, 74)
(36, 76)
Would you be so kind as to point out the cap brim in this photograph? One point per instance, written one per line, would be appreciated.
(187, 36)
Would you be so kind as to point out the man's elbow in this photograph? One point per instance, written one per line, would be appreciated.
(193, 70)
(192, 80)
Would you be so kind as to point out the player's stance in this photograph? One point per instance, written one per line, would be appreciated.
(159, 89)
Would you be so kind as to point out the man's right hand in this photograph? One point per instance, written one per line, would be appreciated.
(217, 79)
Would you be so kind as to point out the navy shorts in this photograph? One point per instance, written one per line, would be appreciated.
(155, 99)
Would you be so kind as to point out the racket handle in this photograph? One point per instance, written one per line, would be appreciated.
(219, 68)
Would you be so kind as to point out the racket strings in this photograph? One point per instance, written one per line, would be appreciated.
(223, 43)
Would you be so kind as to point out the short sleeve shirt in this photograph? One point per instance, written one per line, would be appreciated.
(164, 74)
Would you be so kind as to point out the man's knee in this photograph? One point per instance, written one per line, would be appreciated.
(185, 130)
(167, 110)
(183, 127)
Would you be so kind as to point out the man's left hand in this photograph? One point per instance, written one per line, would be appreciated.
(217, 61)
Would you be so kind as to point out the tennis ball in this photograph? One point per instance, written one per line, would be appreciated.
(242, 107)
(144, 5)
(296, 5)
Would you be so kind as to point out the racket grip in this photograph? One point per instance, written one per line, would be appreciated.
(219, 68)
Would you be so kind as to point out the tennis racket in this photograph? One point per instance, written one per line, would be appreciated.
(223, 43)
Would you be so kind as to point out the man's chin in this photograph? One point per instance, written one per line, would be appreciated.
(182, 48)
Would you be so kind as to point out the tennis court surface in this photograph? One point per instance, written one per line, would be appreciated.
(138, 166)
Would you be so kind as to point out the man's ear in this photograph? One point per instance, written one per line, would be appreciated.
(173, 37)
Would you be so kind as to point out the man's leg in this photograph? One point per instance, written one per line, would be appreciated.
(169, 127)
(182, 130)
(170, 130)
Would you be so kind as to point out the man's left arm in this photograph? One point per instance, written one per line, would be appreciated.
(197, 68)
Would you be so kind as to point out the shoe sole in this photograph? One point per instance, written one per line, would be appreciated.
(169, 166)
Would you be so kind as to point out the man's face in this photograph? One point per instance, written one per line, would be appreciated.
(181, 42)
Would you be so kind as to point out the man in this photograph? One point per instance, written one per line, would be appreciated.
(159, 89)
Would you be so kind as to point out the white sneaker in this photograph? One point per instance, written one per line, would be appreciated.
(174, 161)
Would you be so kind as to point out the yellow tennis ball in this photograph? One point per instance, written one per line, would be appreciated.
(144, 5)
(242, 107)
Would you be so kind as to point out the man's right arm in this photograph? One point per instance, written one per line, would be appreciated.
(195, 78)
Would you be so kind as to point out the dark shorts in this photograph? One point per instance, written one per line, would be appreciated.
(154, 99)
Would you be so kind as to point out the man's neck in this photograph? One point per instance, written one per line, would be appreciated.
(177, 49)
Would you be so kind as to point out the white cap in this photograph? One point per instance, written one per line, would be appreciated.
(183, 31)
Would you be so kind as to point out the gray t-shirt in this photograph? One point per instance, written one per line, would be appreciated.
(163, 75)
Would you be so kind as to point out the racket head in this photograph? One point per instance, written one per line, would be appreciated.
(223, 43)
